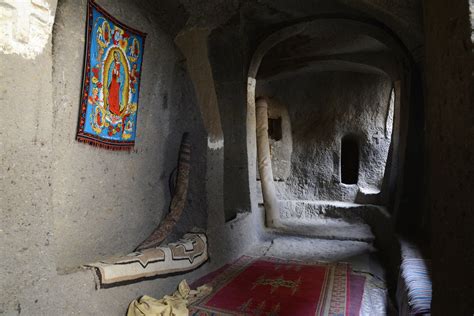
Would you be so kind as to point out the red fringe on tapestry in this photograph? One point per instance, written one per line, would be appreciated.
(100, 144)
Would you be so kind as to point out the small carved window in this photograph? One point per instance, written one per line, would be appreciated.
(274, 129)
(349, 160)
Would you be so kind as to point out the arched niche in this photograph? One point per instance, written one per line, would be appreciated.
(399, 72)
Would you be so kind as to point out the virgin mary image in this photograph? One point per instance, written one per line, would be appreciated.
(116, 76)
(111, 81)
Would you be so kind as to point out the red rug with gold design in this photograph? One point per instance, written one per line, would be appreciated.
(270, 286)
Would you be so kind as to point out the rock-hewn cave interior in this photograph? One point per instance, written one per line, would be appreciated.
(308, 157)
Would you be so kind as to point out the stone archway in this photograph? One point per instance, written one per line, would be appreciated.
(400, 74)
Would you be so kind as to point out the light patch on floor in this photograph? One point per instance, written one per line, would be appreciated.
(25, 27)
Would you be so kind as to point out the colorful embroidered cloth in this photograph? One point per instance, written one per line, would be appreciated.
(112, 68)
(414, 287)
(270, 286)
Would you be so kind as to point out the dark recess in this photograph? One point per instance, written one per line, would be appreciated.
(349, 160)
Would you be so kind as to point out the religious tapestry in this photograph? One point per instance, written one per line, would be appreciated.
(113, 64)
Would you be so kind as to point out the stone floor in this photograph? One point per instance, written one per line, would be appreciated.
(344, 236)
(244, 235)
(326, 228)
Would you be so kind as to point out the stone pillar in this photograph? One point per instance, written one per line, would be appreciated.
(272, 210)
(193, 44)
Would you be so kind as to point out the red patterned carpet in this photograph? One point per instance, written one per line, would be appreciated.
(270, 286)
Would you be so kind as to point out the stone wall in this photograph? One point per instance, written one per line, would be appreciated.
(65, 203)
(116, 199)
(323, 108)
(450, 153)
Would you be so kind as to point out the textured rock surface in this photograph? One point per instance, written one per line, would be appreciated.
(25, 27)
(450, 143)
(125, 195)
(26, 219)
(323, 108)
(64, 203)
(281, 149)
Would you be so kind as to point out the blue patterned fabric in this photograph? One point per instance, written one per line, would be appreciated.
(414, 287)
(112, 71)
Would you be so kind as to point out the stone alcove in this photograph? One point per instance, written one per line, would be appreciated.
(280, 139)
(336, 77)
(324, 107)
(349, 162)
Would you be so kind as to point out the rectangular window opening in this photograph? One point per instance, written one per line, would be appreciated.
(349, 160)
(274, 129)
